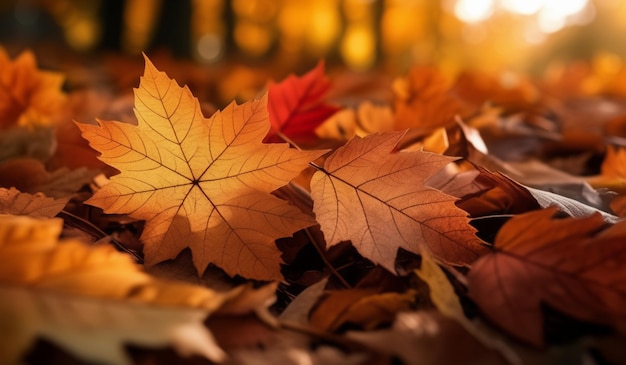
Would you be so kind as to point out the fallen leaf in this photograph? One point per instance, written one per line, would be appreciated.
(198, 183)
(72, 149)
(375, 197)
(30, 176)
(423, 101)
(500, 195)
(511, 91)
(364, 308)
(333, 304)
(571, 207)
(427, 337)
(28, 96)
(575, 260)
(35, 142)
(509, 196)
(448, 303)
(618, 205)
(12, 201)
(92, 299)
(296, 106)
(288, 354)
(341, 126)
(298, 310)
(612, 171)
(374, 118)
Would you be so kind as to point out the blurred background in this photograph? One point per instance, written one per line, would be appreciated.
(283, 36)
(228, 49)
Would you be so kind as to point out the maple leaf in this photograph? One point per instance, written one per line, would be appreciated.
(376, 198)
(12, 201)
(198, 183)
(28, 96)
(569, 264)
(296, 106)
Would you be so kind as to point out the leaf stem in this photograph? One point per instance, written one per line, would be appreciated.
(96, 232)
(328, 264)
(288, 140)
(315, 243)
(492, 216)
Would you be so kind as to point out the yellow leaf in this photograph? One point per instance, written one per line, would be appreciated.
(91, 300)
(198, 183)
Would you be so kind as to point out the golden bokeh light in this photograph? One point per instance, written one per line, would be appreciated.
(362, 34)
(358, 47)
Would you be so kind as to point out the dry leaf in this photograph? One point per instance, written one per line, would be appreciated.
(361, 307)
(427, 337)
(203, 184)
(373, 118)
(571, 207)
(296, 106)
(375, 197)
(508, 90)
(30, 176)
(423, 101)
(12, 201)
(501, 195)
(613, 171)
(36, 142)
(618, 205)
(298, 310)
(91, 300)
(576, 262)
(28, 96)
(448, 303)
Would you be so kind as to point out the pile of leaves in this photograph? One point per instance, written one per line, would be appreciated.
(461, 218)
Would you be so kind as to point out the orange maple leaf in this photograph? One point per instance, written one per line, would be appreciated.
(28, 96)
(200, 183)
(570, 264)
(377, 199)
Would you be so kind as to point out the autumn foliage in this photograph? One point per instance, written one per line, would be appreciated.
(455, 213)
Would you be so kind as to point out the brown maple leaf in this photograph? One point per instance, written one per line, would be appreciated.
(573, 265)
(28, 96)
(198, 183)
(296, 106)
(376, 198)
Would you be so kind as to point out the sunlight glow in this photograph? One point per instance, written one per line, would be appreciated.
(549, 15)
(523, 7)
(473, 11)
